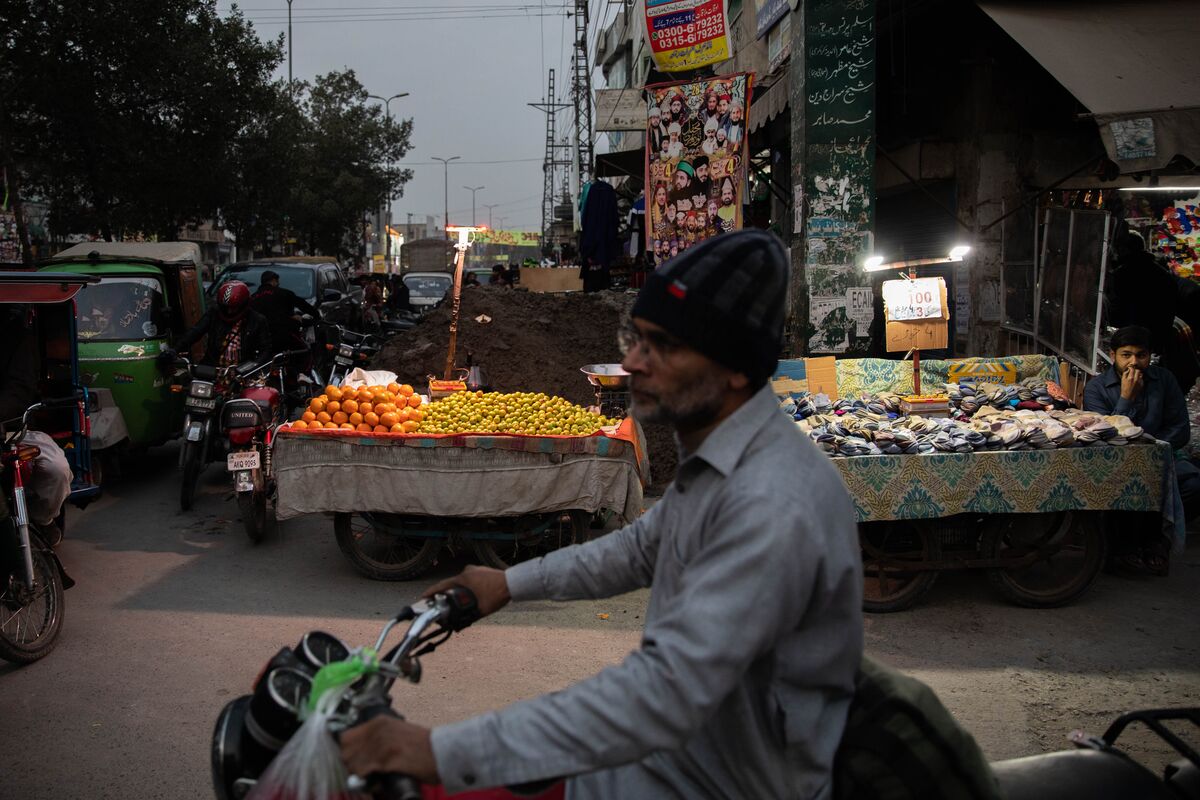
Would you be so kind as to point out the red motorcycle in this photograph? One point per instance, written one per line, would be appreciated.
(249, 419)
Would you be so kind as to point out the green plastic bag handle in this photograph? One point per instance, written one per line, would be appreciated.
(339, 674)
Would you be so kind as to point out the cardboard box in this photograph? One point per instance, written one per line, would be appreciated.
(545, 279)
(791, 377)
(981, 372)
(822, 376)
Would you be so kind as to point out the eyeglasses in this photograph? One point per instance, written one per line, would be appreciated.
(657, 343)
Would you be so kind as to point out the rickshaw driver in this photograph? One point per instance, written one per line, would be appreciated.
(51, 483)
(233, 333)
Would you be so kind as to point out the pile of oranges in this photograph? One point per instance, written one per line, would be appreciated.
(395, 408)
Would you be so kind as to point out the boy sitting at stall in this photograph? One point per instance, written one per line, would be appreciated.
(1151, 397)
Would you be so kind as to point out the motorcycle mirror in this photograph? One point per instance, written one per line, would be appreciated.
(332, 295)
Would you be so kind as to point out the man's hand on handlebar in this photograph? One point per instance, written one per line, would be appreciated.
(489, 585)
(387, 744)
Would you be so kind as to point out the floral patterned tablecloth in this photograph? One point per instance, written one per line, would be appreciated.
(1130, 478)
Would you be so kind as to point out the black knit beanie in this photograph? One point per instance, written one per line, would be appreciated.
(725, 298)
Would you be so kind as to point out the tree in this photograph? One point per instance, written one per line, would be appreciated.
(346, 163)
(122, 114)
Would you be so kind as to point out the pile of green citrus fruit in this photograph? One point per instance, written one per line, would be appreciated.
(518, 412)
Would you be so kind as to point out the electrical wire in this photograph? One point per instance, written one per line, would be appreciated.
(466, 17)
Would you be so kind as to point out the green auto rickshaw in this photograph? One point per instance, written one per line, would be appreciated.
(149, 293)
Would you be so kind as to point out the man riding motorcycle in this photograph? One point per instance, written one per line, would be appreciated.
(233, 333)
(279, 305)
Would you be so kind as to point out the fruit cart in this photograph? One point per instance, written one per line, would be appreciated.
(1034, 520)
(398, 499)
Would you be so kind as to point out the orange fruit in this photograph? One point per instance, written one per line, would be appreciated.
(349, 406)
(308, 416)
(404, 389)
(389, 420)
(341, 418)
(331, 426)
(410, 426)
(416, 414)
(365, 407)
(380, 429)
(299, 425)
(363, 428)
(356, 419)
(397, 428)
(317, 405)
(371, 418)
(333, 393)
(393, 387)
(414, 400)
(324, 418)
(402, 414)
(346, 426)
(333, 406)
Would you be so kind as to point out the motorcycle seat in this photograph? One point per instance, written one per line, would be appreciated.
(1078, 775)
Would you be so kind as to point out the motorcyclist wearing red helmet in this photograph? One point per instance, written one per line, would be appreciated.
(233, 332)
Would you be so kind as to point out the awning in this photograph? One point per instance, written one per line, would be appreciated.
(622, 163)
(1131, 63)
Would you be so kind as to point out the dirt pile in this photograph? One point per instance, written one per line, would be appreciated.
(533, 342)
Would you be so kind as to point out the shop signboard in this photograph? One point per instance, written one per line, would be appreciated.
(767, 14)
(923, 298)
(695, 161)
(688, 34)
(839, 169)
(620, 110)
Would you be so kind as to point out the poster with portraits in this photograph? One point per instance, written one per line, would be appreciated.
(696, 154)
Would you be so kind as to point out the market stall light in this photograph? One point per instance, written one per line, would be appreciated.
(872, 263)
(958, 252)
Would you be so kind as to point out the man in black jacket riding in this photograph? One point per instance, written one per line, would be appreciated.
(232, 332)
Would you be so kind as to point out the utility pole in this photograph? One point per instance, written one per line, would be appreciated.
(551, 161)
(489, 207)
(387, 221)
(446, 194)
(290, 84)
(581, 94)
(473, 190)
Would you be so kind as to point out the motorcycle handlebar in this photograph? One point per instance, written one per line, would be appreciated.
(384, 785)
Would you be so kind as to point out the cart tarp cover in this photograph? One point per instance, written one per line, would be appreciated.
(1128, 62)
(166, 252)
(318, 474)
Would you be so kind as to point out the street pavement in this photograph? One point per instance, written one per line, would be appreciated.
(174, 614)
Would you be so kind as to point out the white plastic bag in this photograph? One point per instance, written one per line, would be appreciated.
(309, 767)
(359, 377)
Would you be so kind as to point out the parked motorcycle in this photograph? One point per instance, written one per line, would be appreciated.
(199, 445)
(350, 350)
(32, 579)
(252, 729)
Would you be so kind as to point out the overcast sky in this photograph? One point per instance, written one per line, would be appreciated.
(470, 67)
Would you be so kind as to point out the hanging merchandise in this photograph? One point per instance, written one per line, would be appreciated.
(1177, 238)
(688, 34)
(695, 161)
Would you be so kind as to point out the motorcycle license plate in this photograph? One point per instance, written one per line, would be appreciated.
(242, 461)
(200, 402)
(345, 362)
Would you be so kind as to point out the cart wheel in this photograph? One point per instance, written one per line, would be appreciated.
(1072, 550)
(381, 554)
(569, 528)
(893, 588)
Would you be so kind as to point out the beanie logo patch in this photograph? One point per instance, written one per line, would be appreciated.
(677, 290)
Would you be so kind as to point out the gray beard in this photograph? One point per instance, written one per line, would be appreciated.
(691, 407)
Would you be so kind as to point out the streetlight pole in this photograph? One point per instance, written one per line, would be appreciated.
(446, 189)
(387, 223)
(489, 207)
(473, 190)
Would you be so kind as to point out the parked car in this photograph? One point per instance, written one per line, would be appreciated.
(320, 281)
(427, 289)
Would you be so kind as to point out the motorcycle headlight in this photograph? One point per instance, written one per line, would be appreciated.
(202, 389)
(346, 351)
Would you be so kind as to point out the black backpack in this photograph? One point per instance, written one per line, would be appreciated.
(901, 743)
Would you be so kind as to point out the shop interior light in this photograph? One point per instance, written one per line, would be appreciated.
(958, 251)
(1161, 189)
(872, 263)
